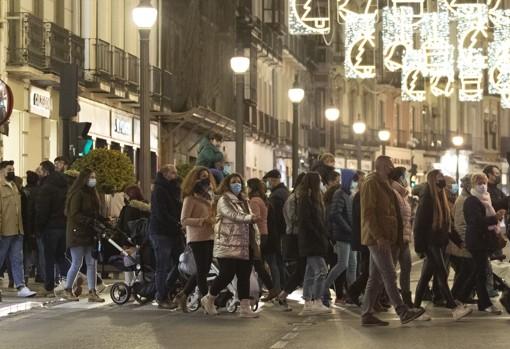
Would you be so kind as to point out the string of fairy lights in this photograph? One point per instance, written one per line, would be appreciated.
(419, 43)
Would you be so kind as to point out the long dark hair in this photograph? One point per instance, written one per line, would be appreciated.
(80, 183)
(310, 188)
(258, 189)
(441, 210)
(191, 179)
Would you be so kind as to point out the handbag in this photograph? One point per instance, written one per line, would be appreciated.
(496, 241)
(187, 264)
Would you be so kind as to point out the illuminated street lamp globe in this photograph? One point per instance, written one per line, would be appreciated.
(240, 65)
(384, 135)
(332, 113)
(458, 141)
(144, 15)
(359, 127)
(296, 94)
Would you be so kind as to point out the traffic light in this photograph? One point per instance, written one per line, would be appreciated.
(80, 143)
(413, 171)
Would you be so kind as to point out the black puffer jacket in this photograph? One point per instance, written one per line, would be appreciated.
(477, 225)
(424, 234)
(165, 208)
(275, 219)
(50, 203)
(131, 212)
(312, 233)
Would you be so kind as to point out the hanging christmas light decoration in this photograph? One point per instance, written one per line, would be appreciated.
(359, 37)
(412, 76)
(304, 21)
(413, 4)
(499, 51)
(397, 31)
(472, 24)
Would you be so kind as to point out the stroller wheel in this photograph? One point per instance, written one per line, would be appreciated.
(193, 301)
(232, 305)
(120, 293)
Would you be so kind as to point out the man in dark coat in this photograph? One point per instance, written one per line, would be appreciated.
(50, 221)
(165, 232)
(499, 202)
(276, 226)
(30, 241)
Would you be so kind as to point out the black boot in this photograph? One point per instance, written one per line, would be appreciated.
(407, 298)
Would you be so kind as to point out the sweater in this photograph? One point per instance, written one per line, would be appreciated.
(259, 209)
(196, 218)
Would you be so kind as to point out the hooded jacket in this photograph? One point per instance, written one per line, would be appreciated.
(82, 210)
(275, 218)
(402, 195)
(133, 211)
(312, 232)
(50, 203)
(339, 216)
(165, 208)
(208, 154)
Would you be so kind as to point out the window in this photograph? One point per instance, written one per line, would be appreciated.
(37, 8)
(272, 11)
(59, 12)
(14, 6)
(115, 146)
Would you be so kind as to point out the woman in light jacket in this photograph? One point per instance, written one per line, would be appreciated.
(236, 244)
(197, 217)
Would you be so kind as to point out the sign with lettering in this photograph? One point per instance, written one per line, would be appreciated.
(40, 102)
(122, 127)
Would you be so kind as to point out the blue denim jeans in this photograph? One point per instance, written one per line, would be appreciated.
(166, 251)
(77, 255)
(12, 247)
(41, 265)
(315, 277)
(345, 261)
(54, 241)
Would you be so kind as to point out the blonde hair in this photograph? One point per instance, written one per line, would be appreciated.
(476, 177)
(327, 156)
(167, 168)
(441, 210)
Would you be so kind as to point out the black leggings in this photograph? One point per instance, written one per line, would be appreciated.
(261, 270)
(434, 265)
(202, 253)
(296, 278)
(480, 259)
(228, 268)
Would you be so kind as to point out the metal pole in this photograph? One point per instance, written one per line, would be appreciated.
(145, 121)
(457, 151)
(332, 141)
(383, 148)
(295, 143)
(240, 156)
(358, 151)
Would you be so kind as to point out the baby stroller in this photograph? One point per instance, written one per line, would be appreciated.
(500, 273)
(228, 298)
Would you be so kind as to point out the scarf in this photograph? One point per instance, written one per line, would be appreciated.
(485, 199)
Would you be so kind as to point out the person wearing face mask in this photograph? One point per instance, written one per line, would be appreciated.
(165, 232)
(482, 226)
(11, 227)
(432, 228)
(382, 231)
(236, 244)
(135, 207)
(197, 218)
(50, 222)
(82, 208)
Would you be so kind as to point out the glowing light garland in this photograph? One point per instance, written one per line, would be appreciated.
(359, 36)
(397, 30)
(411, 4)
(499, 51)
(412, 73)
(302, 23)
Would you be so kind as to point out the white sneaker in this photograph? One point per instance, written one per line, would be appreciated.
(319, 308)
(25, 292)
(493, 310)
(307, 309)
(424, 317)
(59, 289)
(461, 311)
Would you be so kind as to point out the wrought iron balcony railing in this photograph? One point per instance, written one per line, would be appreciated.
(26, 41)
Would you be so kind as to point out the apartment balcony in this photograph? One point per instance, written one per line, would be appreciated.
(36, 50)
(272, 42)
(296, 46)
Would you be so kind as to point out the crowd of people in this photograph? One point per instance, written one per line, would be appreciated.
(343, 230)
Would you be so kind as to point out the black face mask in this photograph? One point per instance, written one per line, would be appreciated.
(10, 176)
(441, 184)
(203, 185)
(498, 179)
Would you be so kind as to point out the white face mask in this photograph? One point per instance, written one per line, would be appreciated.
(92, 182)
(481, 188)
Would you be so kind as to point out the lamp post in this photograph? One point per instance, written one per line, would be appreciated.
(332, 114)
(457, 141)
(144, 16)
(359, 127)
(384, 136)
(240, 65)
(296, 95)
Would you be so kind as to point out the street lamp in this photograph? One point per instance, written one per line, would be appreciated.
(359, 127)
(240, 65)
(332, 114)
(457, 141)
(296, 95)
(144, 16)
(384, 136)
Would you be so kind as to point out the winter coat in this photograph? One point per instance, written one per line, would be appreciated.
(290, 215)
(458, 215)
(402, 196)
(51, 202)
(208, 154)
(232, 230)
(133, 211)
(498, 198)
(82, 210)
(196, 217)
(339, 216)
(477, 225)
(323, 170)
(380, 212)
(11, 221)
(165, 208)
(312, 232)
(30, 194)
(424, 234)
(356, 223)
(259, 208)
(275, 219)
